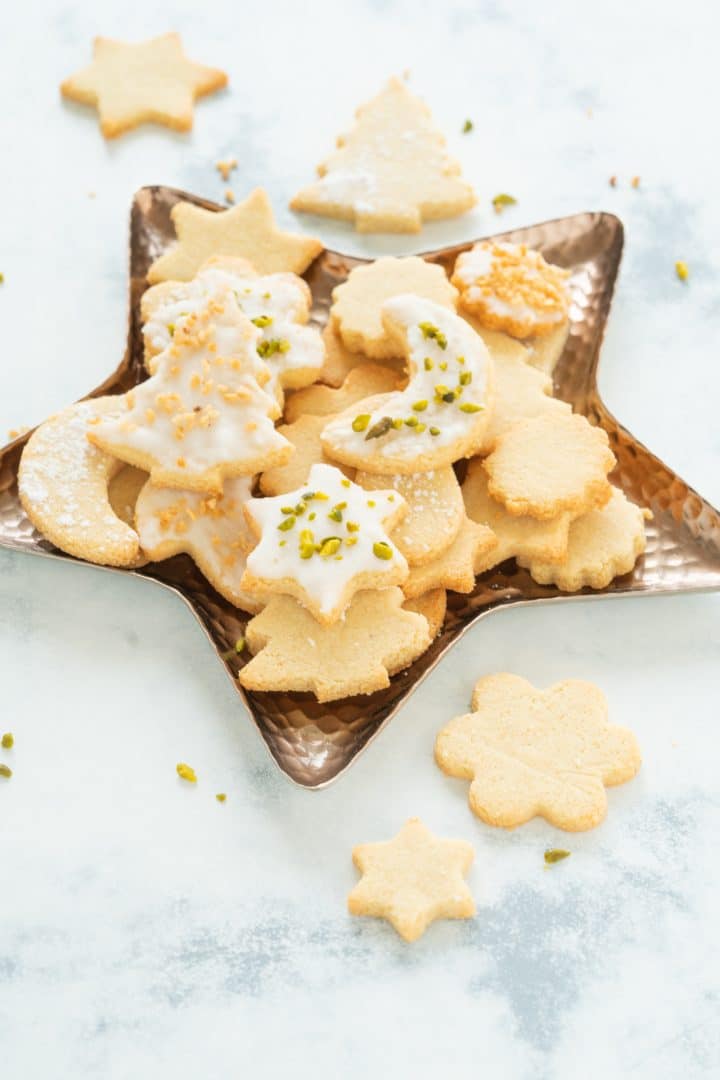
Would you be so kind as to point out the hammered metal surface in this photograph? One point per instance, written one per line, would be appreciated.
(312, 743)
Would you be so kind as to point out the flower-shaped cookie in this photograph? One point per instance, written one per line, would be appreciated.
(535, 752)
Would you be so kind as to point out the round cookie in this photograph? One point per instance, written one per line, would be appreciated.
(432, 606)
(455, 568)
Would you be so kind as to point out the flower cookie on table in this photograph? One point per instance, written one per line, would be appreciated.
(324, 542)
(441, 415)
(202, 417)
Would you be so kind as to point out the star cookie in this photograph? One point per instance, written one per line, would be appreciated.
(413, 880)
(324, 542)
(548, 753)
(441, 415)
(148, 82)
(454, 569)
(391, 172)
(304, 434)
(247, 229)
(361, 382)
(292, 652)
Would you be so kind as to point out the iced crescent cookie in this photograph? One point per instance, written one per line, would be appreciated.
(357, 655)
(443, 413)
(324, 542)
(528, 752)
(202, 416)
(510, 287)
(211, 529)
(277, 304)
(364, 381)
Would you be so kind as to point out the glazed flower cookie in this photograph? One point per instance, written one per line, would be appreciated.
(528, 752)
(211, 529)
(202, 416)
(292, 652)
(364, 381)
(324, 542)
(442, 414)
(512, 288)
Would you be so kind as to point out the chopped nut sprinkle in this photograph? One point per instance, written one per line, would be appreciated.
(682, 270)
(185, 772)
(225, 167)
(5, 771)
(8, 741)
(553, 855)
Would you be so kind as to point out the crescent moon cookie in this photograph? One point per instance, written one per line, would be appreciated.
(211, 529)
(511, 287)
(443, 413)
(323, 543)
(202, 416)
(63, 487)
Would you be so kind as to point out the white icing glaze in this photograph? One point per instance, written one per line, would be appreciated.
(325, 579)
(447, 418)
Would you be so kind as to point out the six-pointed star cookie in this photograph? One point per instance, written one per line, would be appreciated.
(535, 752)
(150, 81)
(247, 229)
(413, 880)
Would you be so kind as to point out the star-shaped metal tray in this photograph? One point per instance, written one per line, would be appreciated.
(312, 743)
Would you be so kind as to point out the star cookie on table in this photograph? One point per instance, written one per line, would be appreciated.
(247, 230)
(528, 752)
(413, 879)
(146, 82)
(324, 542)
(391, 172)
(454, 569)
(293, 652)
(364, 381)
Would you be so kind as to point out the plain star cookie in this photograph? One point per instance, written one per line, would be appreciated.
(356, 312)
(454, 569)
(292, 652)
(324, 542)
(548, 753)
(391, 172)
(601, 545)
(550, 464)
(247, 230)
(148, 82)
(413, 880)
(364, 381)
(63, 487)
(304, 434)
(441, 415)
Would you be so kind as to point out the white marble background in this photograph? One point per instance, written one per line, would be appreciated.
(147, 931)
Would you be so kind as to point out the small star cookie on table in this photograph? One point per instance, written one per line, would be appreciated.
(528, 752)
(146, 82)
(412, 880)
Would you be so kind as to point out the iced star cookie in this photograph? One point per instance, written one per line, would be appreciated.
(356, 312)
(63, 487)
(601, 545)
(548, 753)
(435, 511)
(148, 82)
(441, 415)
(324, 542)
(202, 417)
(521, 393)
(364, 381)
(413, 880)
(510, 287)
(391, 172)
(292, 652)
(551, 464)
(304, 434)
(248, 229)
(454, 569)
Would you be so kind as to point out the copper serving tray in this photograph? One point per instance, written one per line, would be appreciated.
(313, 744)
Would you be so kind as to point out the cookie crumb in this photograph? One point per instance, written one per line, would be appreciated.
(613, 181)
(682, 270)
(553, 855)
(5, 771)
(225, 167)
(467, 127)
(185, 772)
(91, 194)
(221, 796)
(229, 196)
(2, 279)
(501, 201)
(8, 741)
(635, 182)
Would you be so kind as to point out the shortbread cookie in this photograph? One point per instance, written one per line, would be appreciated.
(324, 542)
(147, 82)
(434, 515)
(518, 537)
(545, 350)
(550, 464)
(339, 361)
(304, 434)
(433, 606)
(500, 346)
(455, 568)
(211, 529)
(529, 752)
(293, 652)
(356, 312)
(413, 880)
(521, 393)
(443, 413)
(123, 491)
(202, 416)
(247, 229)
(602, 545)
(510, 287)
(63, 487)
(391, 172)
(362, 382)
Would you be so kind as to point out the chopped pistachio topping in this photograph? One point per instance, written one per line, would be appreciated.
(335, 514)
(467, 127)
(553, 855)
(412, 421)
(449, 397)
(5, 771)
(311, 517)
(2, 279)
(382, 550)
(468, 407)
(345, 483)
(380, 428)
(240, 645)
(434, 430)
(681, 269)
(371, 503)
(266, 296)
(287, 509)
(361, 422)
(186, 772)
(221, 796)
(7, 741)
(428, 364)
(419, 428)
(275, 345)
(432, 332)
(465, 378)
(171, 328)
(350, 540)
(352, 526)
(330, 546)
(261, 321)
(461, 360)
(501, 201)
(287, 524)
(397, 423)
(300, 509)
(307, 544)
(420, 406)
(440, 389)
(443, 365)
